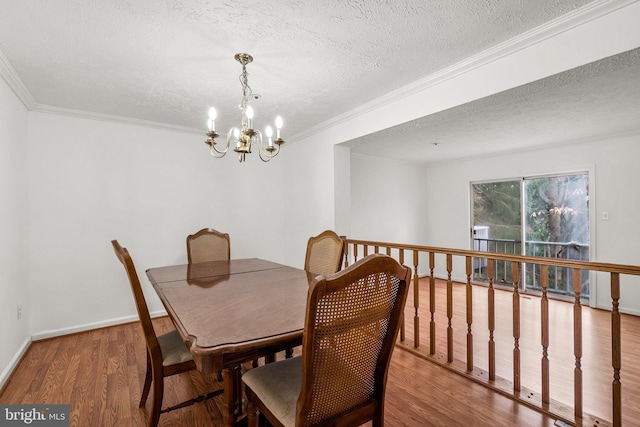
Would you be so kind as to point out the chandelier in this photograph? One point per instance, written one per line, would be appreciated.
(242, 139)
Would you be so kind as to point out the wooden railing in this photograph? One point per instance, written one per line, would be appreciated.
(537, 399)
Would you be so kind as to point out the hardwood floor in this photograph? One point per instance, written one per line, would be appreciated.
(100, 373)
(596, 349)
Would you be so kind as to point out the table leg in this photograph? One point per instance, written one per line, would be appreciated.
(231, 396)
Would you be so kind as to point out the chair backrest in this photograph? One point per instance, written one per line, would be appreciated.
(138, 296)
(208, 245)
(324, 253)
(350, 331)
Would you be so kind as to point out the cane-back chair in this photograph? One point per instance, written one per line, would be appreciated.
(208, 245)
(350, 330)
(324, 253)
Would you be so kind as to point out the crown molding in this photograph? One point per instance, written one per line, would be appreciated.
(15, 83)
(576, 18)
(20, 89)
(62, 111)
(548, 30)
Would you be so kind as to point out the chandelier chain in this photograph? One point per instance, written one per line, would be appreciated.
(247, 93)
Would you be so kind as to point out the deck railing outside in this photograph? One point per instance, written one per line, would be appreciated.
(411, 255)
(560, 279)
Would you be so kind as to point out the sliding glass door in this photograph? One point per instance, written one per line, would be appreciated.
(557, 226)
(538, 216)
(497, 225)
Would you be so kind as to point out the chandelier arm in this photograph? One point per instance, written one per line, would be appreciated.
(266, 152)
(220, 154)
(264, 155)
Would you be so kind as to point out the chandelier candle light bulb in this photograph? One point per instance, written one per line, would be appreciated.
(249, 113)
(246, 136)
(212, 119)
(269, 132)
(278, 126)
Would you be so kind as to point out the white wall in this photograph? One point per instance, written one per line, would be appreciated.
(388, 201)
(93, 181)
(14, 274)
(308, 194)
(614, 175)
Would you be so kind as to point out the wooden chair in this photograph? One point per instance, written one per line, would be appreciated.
(350, 331)
(208, 245)
(324, 256)
(324, 253)
(166, 354)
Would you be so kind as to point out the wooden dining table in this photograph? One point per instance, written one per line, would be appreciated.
(232, 312)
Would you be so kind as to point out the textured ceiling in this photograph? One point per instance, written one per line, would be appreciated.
(168, 61)
(594, 101)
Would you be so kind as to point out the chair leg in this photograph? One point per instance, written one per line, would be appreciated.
(156, 405)
(378, 418)
(147, 383)
(288, 353)
(252, 415)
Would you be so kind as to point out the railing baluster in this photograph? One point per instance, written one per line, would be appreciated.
(432, 304)
(492, 321)
(544, 319)
(469, 314)
(577, 343)
(449, 309)
(616, 350)
(516, 325)
(346, 254)
(416, 301)
(520, 274)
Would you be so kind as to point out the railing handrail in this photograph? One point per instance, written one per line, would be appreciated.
(559, 262)
(518, 262)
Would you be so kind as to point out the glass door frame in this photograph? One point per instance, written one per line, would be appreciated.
(592, 215)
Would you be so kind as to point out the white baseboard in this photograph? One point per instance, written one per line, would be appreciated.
(65, 331)
(14, 362)
(90, 326)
